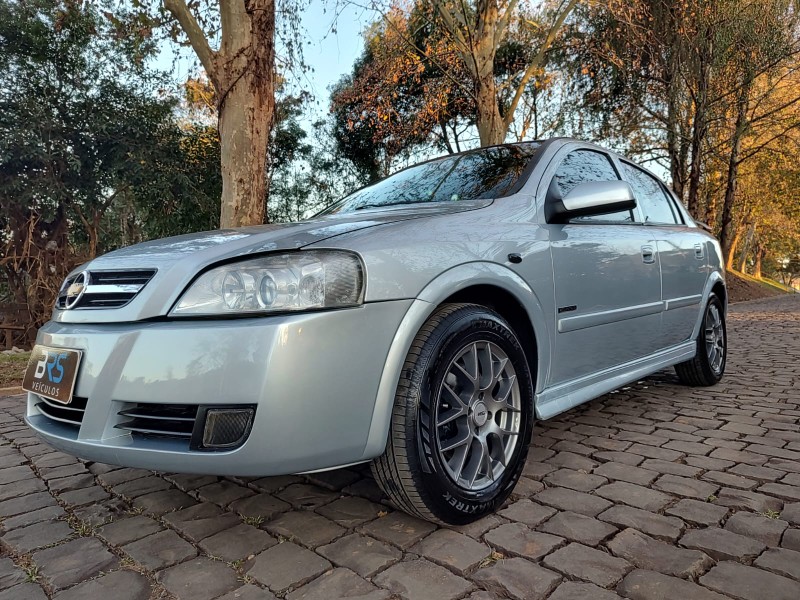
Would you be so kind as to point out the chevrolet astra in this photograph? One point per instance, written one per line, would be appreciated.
(422, 323)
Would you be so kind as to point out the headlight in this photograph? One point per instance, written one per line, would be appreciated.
(293, 281)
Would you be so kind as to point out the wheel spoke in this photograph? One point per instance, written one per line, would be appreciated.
(451, 415)
(452, 444)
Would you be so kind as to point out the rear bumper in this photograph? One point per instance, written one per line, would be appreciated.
(313, 379)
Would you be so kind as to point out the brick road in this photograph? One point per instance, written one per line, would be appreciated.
(654, 491)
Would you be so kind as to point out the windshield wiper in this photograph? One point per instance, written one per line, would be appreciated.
(382, 204)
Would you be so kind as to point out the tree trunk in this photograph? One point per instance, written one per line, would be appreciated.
(733, 173)
(734, 244)
(491, 126)
(243, 74)
(698, 136)
(759, 259)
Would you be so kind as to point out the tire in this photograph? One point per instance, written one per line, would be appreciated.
(708, 364)
(444, 473)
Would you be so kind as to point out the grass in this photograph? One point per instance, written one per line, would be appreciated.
(766, 282)
(12, 367)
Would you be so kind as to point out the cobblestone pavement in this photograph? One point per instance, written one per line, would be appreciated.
(654, 491)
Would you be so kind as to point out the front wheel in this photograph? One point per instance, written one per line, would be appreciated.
(708, 364)
(462, 418)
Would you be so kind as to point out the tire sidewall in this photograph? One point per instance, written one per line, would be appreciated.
(709, 373)
(448, 501)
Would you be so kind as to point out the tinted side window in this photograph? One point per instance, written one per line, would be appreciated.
(580, 166)
(649, 195)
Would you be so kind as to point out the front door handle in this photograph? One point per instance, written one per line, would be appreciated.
(648, 255)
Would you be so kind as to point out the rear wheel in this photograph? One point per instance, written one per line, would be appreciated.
(462, 418)
(708, 364)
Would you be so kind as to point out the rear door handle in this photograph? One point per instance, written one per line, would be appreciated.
(648, 255)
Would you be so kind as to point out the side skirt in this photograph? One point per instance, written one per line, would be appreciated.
(555, 400)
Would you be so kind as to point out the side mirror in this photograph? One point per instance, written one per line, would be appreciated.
(588, 199)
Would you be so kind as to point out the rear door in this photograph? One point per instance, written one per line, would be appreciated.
(607, 280)
(684, 264)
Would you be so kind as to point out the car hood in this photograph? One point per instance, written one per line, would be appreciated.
(178, 259)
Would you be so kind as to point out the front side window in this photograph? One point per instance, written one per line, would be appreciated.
(581, 166)
(485, 173)
(650, 195)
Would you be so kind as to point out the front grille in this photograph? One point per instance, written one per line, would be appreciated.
(70, 414)
(105, 289)
(174, 421)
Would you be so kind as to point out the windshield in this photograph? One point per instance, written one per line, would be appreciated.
(485, 173)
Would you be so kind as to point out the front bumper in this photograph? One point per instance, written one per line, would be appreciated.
(313, 377)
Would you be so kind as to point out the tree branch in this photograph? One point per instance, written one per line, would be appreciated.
(538, 59)
(194, 32)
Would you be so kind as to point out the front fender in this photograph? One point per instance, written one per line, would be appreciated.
(428, 300)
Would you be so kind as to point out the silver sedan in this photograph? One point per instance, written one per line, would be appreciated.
(422, 323)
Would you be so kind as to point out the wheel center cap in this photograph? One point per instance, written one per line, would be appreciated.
(480, 414)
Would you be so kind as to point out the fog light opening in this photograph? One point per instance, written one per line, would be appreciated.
(226, 428)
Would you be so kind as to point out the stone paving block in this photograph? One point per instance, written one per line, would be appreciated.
(160, 503)
(654, 525)
(188, 482)
(305, 527)
(72, 562)
(119, 585)
(24, 591)
(248, 592)
(129, 529)
(530, 513)
(74, 468)
(757, 473)
(302, 495)
(399, 529)
(653, 555)
(573, 590)
(649, 585)
(578, 528)
(199, 579)
(517, 539)
(536, 470)
(10, 574)
(517, 578)
(452, 549)
(744, 500)
(622, 458)
(223, 492)
(686, 487)
(120, 476)
(791, 513)
(699, 513)
(729, 480)
(31, 502)
(789, 493)
(50, 514)
(622, 472)
(362, 554)
(84, 496)
(780, 561)
(21, 488)
(237, 542)
(12, 474)
(765, 530)
(652, 451)
(575, 480)
(477, 528)
(160, 550)
(422, 580)
(37, 535)
(339, 583)
(791, 539)
(526, 488)
(201, 520)
(720, 544)
(579, 502)
(70, 484)
(581, 562)
(351, 511)
(570, 460)
(141, 486)
(287, 565)
(335, 480)
(748, 583)
(634, 495)
(262, 505)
